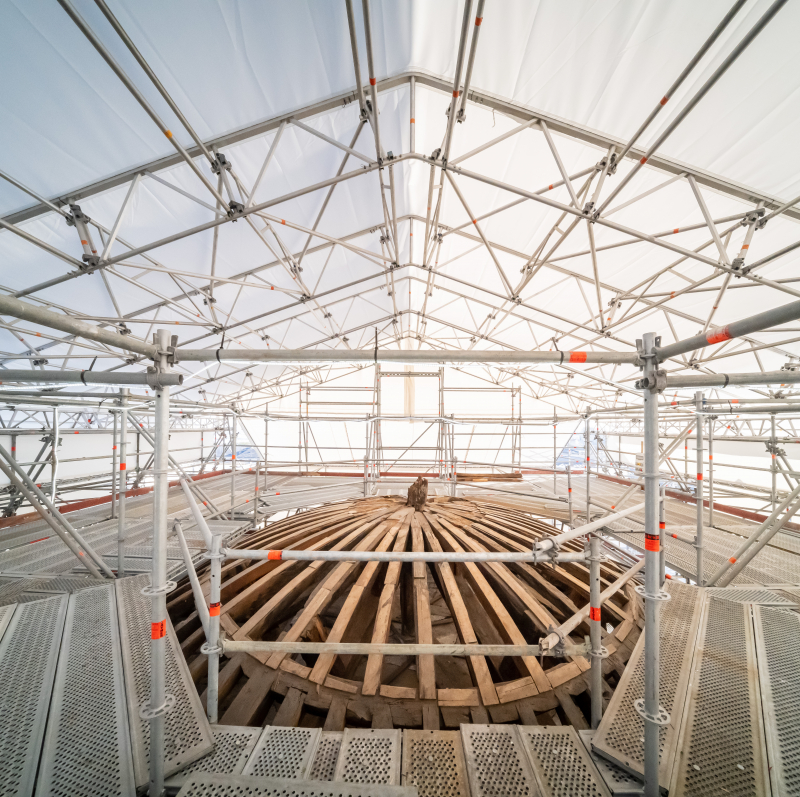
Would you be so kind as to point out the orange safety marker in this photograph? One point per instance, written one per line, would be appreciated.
(732, 560)
(123, 466)
(577, 357)
(718, 335)
(594, 613)
(276, 555)
(158, 630)
(651, 542)
(168, 133)
(213, 609)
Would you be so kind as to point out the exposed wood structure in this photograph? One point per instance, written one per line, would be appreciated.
(486, 603)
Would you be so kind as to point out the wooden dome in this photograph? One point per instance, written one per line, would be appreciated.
(488, 603)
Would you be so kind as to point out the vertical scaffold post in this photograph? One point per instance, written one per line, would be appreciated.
(649, 709)
(711, 470)
(598, 653)
(588, 472)
(662, 533)
(234, 419)
(773, 463)
(255, 494)
(214, 649)
(698, 542)
(123, 479)
(555, 456)
(54, 457)
(569, 494)
(160, 703)
(114, 445)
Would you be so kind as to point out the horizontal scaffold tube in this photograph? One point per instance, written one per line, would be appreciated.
(755, 323)
(398, 356)
(580, 531)
(560, 633)
(389, 649)
(74, 326)
(93, 377)
(718, 380)
(401, 556)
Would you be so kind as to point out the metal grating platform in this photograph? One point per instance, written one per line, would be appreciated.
(777, 638)
(369, 756)
(243, 786)
(721, 746)
(764, 597)
(433, 761)
(188, 734)
(283, 753)
(619, 736)
(324, 765)
(619, 782)
(497, 764)
(232, 747)
(6, 613)
(87, 747)
(32, 639)
(560, 763)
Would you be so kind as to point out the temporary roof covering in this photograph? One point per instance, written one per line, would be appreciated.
(277, 79)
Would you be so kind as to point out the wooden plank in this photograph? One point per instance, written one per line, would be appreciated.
(430, 716)
(334, 721)
(497, 611)
(353, 602)
(452, 595)
(381, 716)
(398, 692)
(458, 697)
(383, 618)
(248, 705)
(574, 714)
(290, 710)
(423, 629)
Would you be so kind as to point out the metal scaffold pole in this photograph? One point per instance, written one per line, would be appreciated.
(123, 479)
(588, 472)
(649, 709)
(160, 703)
(114, 466)
(234, 419)
(598, 653)
(698, 543)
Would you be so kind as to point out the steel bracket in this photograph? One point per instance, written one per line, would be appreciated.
(661, 595)
(149, 591)
(661, 718)
(147, 713)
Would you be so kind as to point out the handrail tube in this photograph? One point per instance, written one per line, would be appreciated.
(400, 556)
(91, 377)
(389, 649)
(736, 329)
(197, 590)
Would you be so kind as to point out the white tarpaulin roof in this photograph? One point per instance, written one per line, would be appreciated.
(593, 69)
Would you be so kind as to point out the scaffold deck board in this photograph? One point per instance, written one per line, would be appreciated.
(497, 763)
(433, 762)
(763, 597)
(326, 756)
(6, 613)
(721, 747)
(87, 748)
(241, 785)
(778, 649)
(233, 745)
(619, 782)
(28, 656)
(283, 753)
(188, 734)
(369, 756)
(560, 763)
(620, 733)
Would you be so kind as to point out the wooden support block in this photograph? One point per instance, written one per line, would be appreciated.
(381, 716)
(228, 676)
(334, 721)
(250, 706)
(504, 713)
(398, 692)
(430, 716)
(290, 710)
(516, 690)
(574, 714)
(479, 714)
(459, 697)
(527, 716)
(454, 716)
